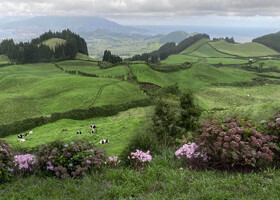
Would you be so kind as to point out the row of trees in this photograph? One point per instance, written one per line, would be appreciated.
(168, 49)
(34, 51)
(109, 57)
(227, 39)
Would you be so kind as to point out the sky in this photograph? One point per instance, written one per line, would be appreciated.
(155, 12)
(263, 14)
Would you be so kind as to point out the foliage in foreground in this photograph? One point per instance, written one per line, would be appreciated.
(5, 161)
(234, 144)
(162, 179)
(66, 160)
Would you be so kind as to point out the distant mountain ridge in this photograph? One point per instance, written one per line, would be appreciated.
(74, 23)
(176, 36)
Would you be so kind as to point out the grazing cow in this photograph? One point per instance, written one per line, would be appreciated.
(79, 132)
(26, 134)
(20, 136)
(92, 131)
(104, 141)
(92, 126)
(21, 140)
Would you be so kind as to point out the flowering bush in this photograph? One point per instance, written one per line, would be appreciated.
(113, 162)
(25, 163)
(139, 159)
(191, 154)
(5, 161)
(234, 143)
(65, 160)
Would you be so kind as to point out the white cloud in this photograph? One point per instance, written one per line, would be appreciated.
(141, 7)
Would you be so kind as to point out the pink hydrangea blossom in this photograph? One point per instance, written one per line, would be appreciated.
(25, 162)
(189, 151)
(141, 156)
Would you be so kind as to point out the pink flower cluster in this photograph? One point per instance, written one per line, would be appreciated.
(141, 156)
(113, 161)
(189, 151)
(26, 162)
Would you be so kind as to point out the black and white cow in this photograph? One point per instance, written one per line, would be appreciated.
(20, 136)
(92, 126)
(92, 131)
(104, 141)
(79, 132)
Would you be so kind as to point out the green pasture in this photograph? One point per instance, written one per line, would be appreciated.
(81, 56)
(195, 46)
(33, 90)
(118, 129)
(53, 42)
(267, 63)
(198, 77)
(93, 68)
(251, 49)
(179, 59)
(207, 51)
(258, 102)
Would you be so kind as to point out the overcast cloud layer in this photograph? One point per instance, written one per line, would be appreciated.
(141, 7)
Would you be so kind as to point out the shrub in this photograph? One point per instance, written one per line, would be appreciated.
(190, 112)
(25, 164)
(5, 161)
(234, 143)
(142, 139)
(139, 158)
(74, 159)
(165, 123)
(113, 162)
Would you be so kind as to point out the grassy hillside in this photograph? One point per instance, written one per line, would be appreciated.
(244, 50)
(179, 59)
(206, 50)
(195, 46)
(53, 42)
(41, 89)
(199, 76)
(118, 129)
(271, 40)
(93, 68)
(80, 56)
(4, 59)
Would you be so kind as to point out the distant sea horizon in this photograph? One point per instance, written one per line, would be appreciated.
(240, 34)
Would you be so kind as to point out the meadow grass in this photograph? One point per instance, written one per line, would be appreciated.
(207, 51)
(226, 61)
(268, 63)
(195, 46)
(179, 59)
(118, 129)
(162, 179)
(93, 68)
(53, 42)
(244, 50)
(257, 103)
(198, 77)
(41, 89)
(81, 56)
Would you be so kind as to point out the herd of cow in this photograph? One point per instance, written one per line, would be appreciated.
(92, 131)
